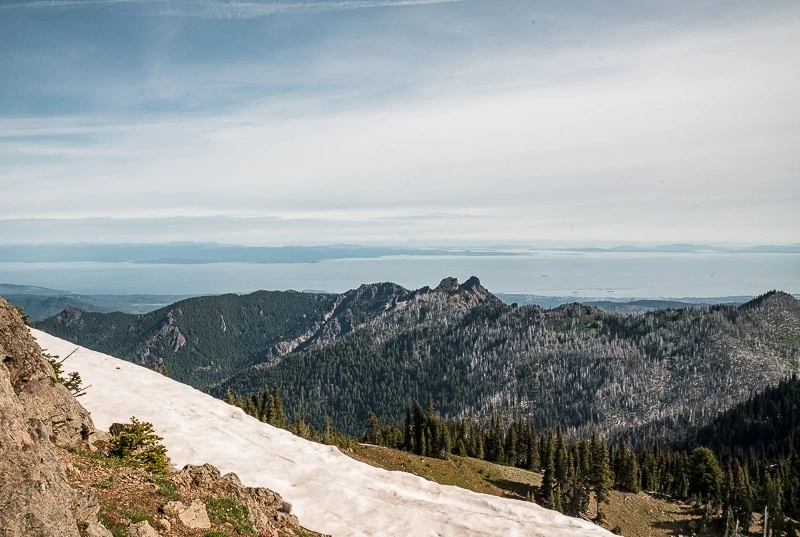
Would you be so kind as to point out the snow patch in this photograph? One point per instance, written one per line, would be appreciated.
(329, 492)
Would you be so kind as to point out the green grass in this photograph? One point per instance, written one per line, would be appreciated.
(112, 524)
(217, 534)
(166, 488)
(118, 524)
(228, 510)
(138, 516)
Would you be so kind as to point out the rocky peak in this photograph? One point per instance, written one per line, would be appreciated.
(470, 293)
(448, 285)
(70, 316)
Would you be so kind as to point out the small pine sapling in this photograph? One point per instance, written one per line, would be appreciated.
(138, 442)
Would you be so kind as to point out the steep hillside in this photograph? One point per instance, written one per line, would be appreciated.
(327, 490)
(60, 477)
(376, 347)
(206, 339)
(573, 365)
(35, 412)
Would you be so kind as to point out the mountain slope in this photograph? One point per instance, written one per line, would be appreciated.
(376, 347)
(329, 492)
(205, 340)
(574, 365)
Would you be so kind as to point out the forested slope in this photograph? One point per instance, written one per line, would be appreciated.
(575, 366)
(204, 340)
(378, 346)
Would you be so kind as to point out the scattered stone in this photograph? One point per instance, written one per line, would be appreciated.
(164, 524)
(141, 529)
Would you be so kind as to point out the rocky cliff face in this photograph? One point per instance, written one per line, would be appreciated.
(54, 483)
(35, 498)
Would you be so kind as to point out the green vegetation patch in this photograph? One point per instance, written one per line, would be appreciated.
(138, 442)
(230, 511)
(135, 516)
(166, 488)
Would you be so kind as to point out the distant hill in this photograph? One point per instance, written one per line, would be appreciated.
(39, 307)
(13, 289)
(203, 253)
(40, 303)
(622, 305)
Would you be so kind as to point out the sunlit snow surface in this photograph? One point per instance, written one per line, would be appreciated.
(329, 492)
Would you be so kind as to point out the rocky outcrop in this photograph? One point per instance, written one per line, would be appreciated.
(268, 512)
(169, 335)
(71, 317)
(35, 498)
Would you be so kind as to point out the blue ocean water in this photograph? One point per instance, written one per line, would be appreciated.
(548, 273)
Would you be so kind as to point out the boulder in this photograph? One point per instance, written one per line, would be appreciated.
(141, 529)
(193, 516)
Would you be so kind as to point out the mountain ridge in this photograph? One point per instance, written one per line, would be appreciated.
(329, 353)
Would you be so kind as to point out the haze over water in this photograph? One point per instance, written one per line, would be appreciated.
(590, 274)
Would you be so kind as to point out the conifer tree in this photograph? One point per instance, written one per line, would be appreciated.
(512, 441)
(264, 406)
(329, 435)
(583, 474)
(550, 492)
(373, 435)
(705, 476)
(533, 457)
(561, 461)
(628, 477)
(649, 472)
(419, 430)
(601, 479)
(278, 415)
(408, 430)
(741, 496)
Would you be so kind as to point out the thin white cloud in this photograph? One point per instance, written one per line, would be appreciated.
(223, 9)
(689, 135)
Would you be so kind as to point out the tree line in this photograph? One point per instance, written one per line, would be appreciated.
(745, 461)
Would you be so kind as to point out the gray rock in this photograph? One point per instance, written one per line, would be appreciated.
(35, 497)
(141, 529)
(193, 516)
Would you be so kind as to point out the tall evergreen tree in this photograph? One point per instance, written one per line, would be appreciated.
(550, 492)
(408, 430)
(601, 478)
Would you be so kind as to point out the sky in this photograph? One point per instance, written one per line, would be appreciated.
(399, 121)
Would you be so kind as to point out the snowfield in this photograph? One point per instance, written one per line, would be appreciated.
(329, 492)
